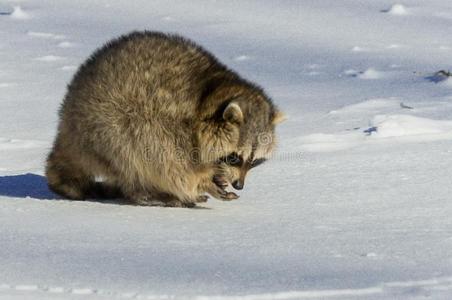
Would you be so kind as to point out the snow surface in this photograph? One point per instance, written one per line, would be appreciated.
(356, 204)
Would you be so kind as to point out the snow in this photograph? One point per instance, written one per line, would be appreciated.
(355, 204)
(447, 82)
(46, 35)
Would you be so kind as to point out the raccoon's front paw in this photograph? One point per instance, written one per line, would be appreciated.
(220, 193)
(219, 190)
(228, 196)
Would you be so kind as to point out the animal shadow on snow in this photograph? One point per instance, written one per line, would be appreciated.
(439, 76)
(35, 186)
(26, 185)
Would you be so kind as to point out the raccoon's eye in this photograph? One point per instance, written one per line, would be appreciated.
(232, 159)
(257, 162)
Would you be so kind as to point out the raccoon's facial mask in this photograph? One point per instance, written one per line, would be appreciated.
(253, 149)
(257, 162)
(235, 168)
(233, 160)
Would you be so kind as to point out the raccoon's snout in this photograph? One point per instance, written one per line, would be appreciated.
(238, 184)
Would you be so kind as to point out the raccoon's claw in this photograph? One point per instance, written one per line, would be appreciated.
(217, 189)
(230, 196)
(227, 196)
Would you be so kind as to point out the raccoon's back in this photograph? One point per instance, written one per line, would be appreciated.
(140, 88)
(146, 74)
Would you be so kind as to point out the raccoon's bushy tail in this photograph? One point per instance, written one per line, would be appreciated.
(68, 179)
(64, 177)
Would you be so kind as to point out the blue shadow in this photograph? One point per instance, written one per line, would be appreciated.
(35, 186)
(439, 76)
(26, 185)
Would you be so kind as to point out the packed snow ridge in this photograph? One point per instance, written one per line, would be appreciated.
(45, 35)
(50, 58)
(19, 13)
(371, 73)
(407, 125)
(383, 129)
(397, 9)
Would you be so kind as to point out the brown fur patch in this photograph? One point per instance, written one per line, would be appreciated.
(145, 112)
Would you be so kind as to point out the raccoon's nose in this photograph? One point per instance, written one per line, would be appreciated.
(238, 185)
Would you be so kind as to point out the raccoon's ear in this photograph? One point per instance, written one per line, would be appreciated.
(233, 113)
(279, 117)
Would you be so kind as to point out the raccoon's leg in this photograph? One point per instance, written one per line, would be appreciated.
(164, 188)
(139, 196)
(66, 177)
(172, 201)
(217, 188)
(212, 182)
(157, 199)
(220, 193)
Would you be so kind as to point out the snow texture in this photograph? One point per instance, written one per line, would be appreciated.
(355, 204)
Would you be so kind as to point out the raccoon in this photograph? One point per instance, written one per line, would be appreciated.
(162, 122)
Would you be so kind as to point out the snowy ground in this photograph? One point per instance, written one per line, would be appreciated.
(355, 205)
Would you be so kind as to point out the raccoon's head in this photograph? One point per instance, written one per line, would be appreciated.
(244, 135)
(256, 141)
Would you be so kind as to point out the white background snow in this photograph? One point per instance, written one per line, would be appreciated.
(337, 214)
